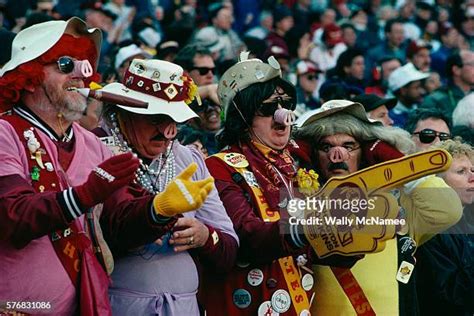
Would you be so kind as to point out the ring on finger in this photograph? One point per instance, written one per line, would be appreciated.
(191, 240)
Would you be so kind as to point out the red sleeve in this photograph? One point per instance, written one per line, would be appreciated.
(127, 220)
(218, 255)
(378, 152)
(25, 214)
(260, 242)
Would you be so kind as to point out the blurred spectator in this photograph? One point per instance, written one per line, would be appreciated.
(189, 136)
(418, 53)
(35, 18)
(125, 15)
(167, 50)
(302, 15)
(380, 73)
(463, 119)
(328, 17)
(393, 44)
(406, 9)
(307, 81)
(377, 108)
(282, 23)
(460, 73)
(432, 83)
(445, 278)
(210, 39)
(349, 70)
(6, 38)
(349, 35)
(198, 62)
(221, 17)
(449, 43)
(326, 55)
(262, 30)
(467, 26)
(405, 83)
(428, 127)
(464, 112)
(124, 57)
(430, 35)
(147, 31)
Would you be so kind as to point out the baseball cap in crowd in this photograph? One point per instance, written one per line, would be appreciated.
(304, 67)
(332, 34)
(372, 101)
(161, 84)
(415, 46)
(402, 76)
(209, 38)
(129, 52)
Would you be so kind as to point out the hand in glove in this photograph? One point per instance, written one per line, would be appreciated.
(182, 194)
(111, 175)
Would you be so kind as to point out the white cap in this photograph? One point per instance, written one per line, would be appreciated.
(128, 52)
(402, 76)
(209, 38)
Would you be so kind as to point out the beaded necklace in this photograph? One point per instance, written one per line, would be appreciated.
(155, 176)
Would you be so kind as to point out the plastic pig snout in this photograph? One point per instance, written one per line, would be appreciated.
(82, 69)
(284, 116)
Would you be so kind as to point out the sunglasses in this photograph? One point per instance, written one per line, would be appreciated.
(79, 68)
(66, 64)
(204, 70)
(269, 108)
(427, 136)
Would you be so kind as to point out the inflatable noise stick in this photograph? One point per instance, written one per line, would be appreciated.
(111, 98)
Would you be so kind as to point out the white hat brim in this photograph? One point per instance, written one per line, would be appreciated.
(178, 111)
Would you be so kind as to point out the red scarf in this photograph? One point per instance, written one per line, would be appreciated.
(274, 171)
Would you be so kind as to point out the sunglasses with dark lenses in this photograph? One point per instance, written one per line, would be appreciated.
(427, 136)
(204, 70)
(66, 64)
(269, 108)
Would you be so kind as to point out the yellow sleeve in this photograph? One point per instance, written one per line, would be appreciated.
(431, 207)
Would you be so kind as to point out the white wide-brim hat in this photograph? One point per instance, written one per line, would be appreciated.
(36, 40)
(335, 106)
(158, 83)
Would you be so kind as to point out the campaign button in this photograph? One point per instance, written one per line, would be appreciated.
(255, 277)
(305, 312)
(307, 282)
(281, 301)
(265, 309)
(271, 283)
(241, 298)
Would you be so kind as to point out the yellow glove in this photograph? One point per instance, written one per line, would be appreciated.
(365, 200)
(182, 194)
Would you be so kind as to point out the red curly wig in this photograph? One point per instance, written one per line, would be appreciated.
(31, 73)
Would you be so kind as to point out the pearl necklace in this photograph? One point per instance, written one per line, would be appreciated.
(153, 177)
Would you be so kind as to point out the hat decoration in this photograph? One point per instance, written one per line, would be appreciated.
(184, 90)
